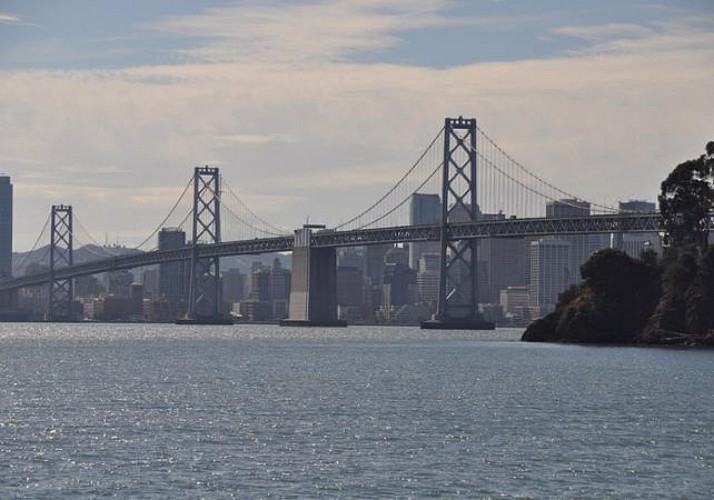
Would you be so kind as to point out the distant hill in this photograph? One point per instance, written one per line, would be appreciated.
(21, 261)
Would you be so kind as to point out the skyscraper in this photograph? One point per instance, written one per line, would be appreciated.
(173, 276)
(550, 272)
(423, 209)
(582, 246)
(634, 243)
(5, 226)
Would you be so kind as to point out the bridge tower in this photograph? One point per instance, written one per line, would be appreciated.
(61, 290)
(205, 302)
(458, 281)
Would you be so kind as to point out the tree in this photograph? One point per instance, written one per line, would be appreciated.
(686, 200)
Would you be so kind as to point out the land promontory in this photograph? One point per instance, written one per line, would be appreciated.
(652, 300)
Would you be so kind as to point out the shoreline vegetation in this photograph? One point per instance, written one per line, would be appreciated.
(650, 300)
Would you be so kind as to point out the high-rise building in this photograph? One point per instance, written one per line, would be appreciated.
(150, 279)
(374, 262)
(350, 287)
(173, 276)
(233, 286)
(502, 262)
(428, 277)
(638, 206)
(260, 283)
(399, 284)
(633, 244)
(5, 226)
(279, 282)
(423, 209)
(582, 246)
(551, 274)
(352, 257)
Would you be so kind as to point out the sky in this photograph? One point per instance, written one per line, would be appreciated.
(314, 108)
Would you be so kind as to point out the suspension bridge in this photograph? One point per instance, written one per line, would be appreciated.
(483, 193)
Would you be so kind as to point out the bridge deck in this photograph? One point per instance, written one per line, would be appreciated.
(644, 222)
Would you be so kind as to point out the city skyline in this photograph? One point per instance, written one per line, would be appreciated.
(109, 109)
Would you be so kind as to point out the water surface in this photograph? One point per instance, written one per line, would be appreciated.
(164, 411)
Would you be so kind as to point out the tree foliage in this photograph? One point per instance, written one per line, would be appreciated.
(685, 201)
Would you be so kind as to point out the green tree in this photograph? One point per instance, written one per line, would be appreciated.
(686, 199)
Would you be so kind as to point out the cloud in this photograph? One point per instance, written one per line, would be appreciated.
(682, 33)
(604, 31)
(6, 18)
(301, 33)
(327, 139)
(340, 178)
(251, 139)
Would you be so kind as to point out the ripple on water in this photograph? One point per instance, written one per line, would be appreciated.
(259, 411)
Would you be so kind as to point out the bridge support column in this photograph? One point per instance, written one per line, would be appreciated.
(313, 285)
(458, 280)
(61, 290)
(205, 300)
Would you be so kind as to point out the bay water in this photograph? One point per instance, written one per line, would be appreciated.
(259, 411)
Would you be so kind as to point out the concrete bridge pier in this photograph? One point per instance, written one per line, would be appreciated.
(313, 286)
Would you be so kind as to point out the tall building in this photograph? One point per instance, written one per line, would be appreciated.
(374, 262)
(233, 286)
(638, 206)
(582, 246)
(260, 283)
(173, 276)
(280, 280)
(352, 257)
(423, 209)
(5, 226)
(550, 271)
(633, 244)
(350, 287)
(150, 279)
(502, 262)
(428, 277)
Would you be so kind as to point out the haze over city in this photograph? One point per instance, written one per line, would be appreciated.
(316, 108)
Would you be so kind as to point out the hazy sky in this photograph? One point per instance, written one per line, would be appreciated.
(314, 108)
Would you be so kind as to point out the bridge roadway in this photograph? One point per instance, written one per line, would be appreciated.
(640, 222)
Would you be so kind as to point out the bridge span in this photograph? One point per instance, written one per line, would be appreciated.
(456, 193)
(504, 228)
